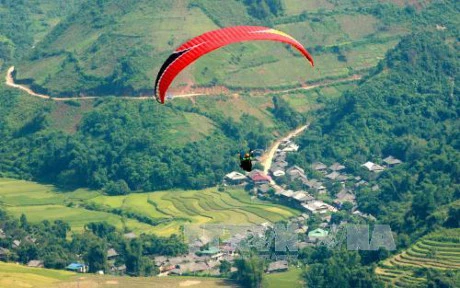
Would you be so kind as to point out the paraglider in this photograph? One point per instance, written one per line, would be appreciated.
(210, 41)
(246, 160)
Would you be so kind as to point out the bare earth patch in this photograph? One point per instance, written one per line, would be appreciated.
(189, 283)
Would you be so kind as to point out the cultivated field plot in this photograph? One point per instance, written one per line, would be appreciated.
(169, 210)
(439, 250)
(289, 279)
(233, 206)
(146, 33)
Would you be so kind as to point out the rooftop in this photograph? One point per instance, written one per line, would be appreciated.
(318, 232)
(318, 166)
(278, 265)
(390, 160)
(235, 176)
(336, 167)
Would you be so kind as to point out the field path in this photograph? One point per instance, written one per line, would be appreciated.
(267, 158)
(9, 81)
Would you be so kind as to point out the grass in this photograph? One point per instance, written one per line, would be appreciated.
(307, 100)
(235, 106)
(439, 250)
(357, 26)
(14, 275)
(294, 7)
(288, 279)
(234, 206)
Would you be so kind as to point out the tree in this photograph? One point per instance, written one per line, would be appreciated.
(250, 271)
(96, 257)
(225, 267)
(117, 188)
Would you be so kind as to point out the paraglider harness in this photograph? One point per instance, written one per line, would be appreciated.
(246, 160)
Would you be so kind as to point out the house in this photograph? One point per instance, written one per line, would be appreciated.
(344, 196)
(291, 148)
(287, 193)
(326, 218)
(258, 177)
(342, 178)
(264, 188)
(373, 167)
(391, 161)
(278, 266)
(77, 267)
(212, 252)
(257, 152)
(160, 261)
(336, 167)
(302, 196)
(285, 143)
(333, 175)
(318, 166)
(367, 216)
(30, 239)
(315, 185)
(281, 163)
(235, 178)
(295, 170)
(317, 234)
(119, 270)
(280, 156)
(16, 243)
(228, 250)
(191, 267)
(302, 229)
(112, 254)
(4, 254)
(317, 206)
(130, 235)
(35, 264)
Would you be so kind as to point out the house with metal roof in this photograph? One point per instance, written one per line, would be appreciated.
(317, 234)
(235, 178)
(77, 267)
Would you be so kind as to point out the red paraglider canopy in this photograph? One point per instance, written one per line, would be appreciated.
(210, 41)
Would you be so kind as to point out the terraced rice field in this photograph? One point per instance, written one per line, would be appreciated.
(233, 206)
(435, 251)
(170, 209)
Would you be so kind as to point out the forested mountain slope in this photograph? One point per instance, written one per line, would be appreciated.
(409, 108)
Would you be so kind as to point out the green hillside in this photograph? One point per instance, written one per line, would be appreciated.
(112, 48)
(437, 251)
(161, 213)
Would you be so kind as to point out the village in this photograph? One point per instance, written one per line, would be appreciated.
(331, 190)
(312, 198)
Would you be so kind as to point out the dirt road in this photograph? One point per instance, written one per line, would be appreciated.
(10, 82)
(267, 158)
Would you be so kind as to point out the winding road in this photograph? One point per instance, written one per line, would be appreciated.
(9, 80)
